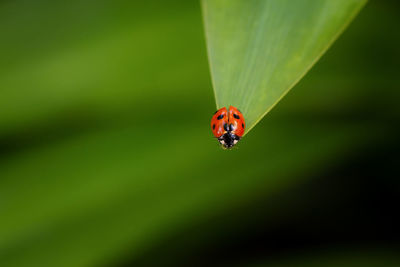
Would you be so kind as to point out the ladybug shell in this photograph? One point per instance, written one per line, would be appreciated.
(228, 126)
(219, 121)
(236, 121)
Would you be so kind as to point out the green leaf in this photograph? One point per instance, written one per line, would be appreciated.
(258, 50)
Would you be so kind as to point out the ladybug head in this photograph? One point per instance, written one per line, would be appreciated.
(228, 140)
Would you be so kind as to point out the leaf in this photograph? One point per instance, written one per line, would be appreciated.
(143, 169)
(258, 50)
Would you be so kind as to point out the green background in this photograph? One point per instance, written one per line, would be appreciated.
(107, 159)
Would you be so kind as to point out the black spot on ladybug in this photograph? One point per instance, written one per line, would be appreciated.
(213, 126)
(226, 127)
(215, 112)
(242, 125)
(236, 116)
(231, 127)
(220, 116)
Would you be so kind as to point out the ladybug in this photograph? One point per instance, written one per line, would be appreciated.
(228, 126)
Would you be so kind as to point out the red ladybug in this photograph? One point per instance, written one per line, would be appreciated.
(228, 126)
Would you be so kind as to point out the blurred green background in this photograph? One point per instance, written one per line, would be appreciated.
(107, 159)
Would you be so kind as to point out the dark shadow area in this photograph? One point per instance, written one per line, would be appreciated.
(354, 204)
